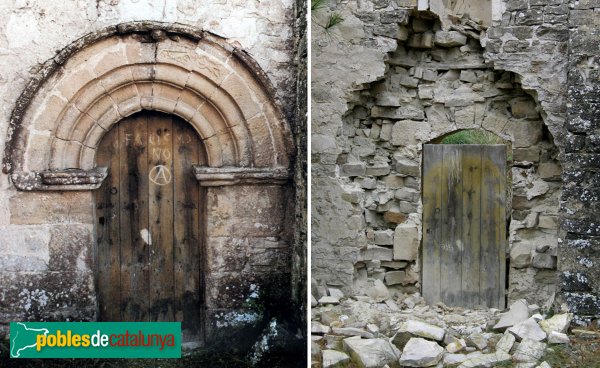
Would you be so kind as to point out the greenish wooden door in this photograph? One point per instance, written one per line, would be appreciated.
(464, 226)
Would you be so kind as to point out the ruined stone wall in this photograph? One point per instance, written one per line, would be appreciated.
(47, 253)
(552, 45)
(437, 82)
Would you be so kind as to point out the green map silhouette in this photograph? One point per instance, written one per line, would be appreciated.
(23, 337)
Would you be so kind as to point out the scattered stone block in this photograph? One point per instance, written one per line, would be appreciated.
(518, 312)
(317, 328)
(329, 300)
(477, 340)
(486, 360)
(528, 330)
(335, 292)
(333, 358)
(506, 342)
(456, 345)
(453, 359)
(557, 323)
(352, 331)
(419, 352)
(529, 351)
(422, 329)
(371, 353)
(558, 338)
(379, 292)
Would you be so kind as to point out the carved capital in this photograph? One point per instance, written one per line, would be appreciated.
(220, 176)
(69, 179)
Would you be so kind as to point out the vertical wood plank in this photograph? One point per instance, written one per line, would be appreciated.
(186, 258)
(109, 239)
(471, 202)
(160, 199)
(134, 218)
(493, 238)
(432, 200)
(451, 247)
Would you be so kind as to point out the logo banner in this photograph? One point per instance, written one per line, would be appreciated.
(95, 339)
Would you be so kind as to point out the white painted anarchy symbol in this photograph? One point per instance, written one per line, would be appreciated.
(160, 175)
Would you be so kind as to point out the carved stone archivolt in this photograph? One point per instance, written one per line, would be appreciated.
(91, 85)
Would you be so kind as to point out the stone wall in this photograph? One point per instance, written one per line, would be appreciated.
(57, 227)
(579, 280)
(437, 82)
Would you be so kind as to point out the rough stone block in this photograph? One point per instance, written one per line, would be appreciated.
(520, 255)
(524, 108)
(406, 166)
(395, 277)
(406, 242)
(48, 208)
(407, 194)
(450, 38)
(384, 237)
(544, 261)
(531, 154)
(394, 217)
(378, 170)
(550, 170)
(468, 76)
(421, 40)
(373, 252)
(407, 132)
(525, 133)
(425, 92)
(353, 169)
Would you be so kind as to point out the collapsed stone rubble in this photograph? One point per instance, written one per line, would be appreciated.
(405, 332)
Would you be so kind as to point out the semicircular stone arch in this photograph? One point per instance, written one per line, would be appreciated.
(215, 87)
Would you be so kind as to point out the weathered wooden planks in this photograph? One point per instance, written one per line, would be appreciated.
(432, 220)
(133, 166)
(493, 236)
(109, 236)
(464, 234)
(186, 152)
(471, 202)
(149, 211)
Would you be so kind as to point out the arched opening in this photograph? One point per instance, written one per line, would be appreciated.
(149, 223)
(438, 88)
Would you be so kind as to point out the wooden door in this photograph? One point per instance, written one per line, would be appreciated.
(148, 211)
(464, 228)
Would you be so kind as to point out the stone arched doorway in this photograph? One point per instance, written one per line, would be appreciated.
(55, 152)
